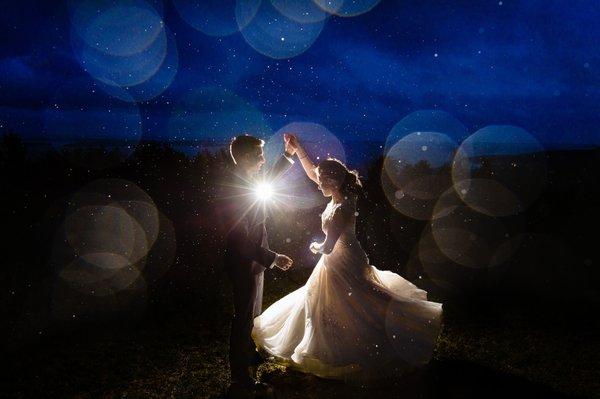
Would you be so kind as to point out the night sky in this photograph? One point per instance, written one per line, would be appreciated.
(532, 64)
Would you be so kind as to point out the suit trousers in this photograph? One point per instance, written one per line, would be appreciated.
(247, 302)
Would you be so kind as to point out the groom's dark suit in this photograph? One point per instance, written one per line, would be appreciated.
(247, 255)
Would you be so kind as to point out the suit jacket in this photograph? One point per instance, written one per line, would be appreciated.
(247, 250)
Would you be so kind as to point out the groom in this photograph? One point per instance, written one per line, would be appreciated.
(247, 254)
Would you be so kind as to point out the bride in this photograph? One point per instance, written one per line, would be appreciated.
(350, 319)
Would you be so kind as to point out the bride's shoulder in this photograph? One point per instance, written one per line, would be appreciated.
(346, 207)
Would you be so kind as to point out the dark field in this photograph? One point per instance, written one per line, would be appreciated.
(530, 327)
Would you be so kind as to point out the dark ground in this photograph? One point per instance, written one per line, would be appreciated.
(492, 353)
(533, 332)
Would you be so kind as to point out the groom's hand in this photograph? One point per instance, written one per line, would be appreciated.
(283, 262)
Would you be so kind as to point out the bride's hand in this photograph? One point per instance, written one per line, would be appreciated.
(291, 142)
(315, 247)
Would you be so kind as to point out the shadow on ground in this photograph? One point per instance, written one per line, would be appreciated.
(179, 357)
(440, 379)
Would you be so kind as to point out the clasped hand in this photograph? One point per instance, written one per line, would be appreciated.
(291, 143)
(283, 262)
(315, 247)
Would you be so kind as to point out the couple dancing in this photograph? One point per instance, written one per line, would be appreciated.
(350, 319)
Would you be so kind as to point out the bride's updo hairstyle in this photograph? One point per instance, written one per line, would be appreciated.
(334, 169)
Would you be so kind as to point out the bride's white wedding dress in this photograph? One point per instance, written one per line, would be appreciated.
(350, 319)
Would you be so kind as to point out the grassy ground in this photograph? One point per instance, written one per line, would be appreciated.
(183, 354)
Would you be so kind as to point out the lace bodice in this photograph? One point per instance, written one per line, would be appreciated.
(342, 215)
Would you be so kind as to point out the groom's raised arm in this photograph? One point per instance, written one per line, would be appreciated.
(283, 164)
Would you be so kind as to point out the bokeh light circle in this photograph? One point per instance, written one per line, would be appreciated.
(416, 171)
(489, 197)
(112, 216)
(145, 214)
(121, 70)
(105, 229)
(120, 29)
(303, 11)
(156, 84)
(470, 238)
(499, 170)
(100, 274)
(416, 208)
(420, 162)
(434, 121)
(125, 195)
(347, 8)
(214, 17)
(316, 139)
(273, 34)
(111, 244)
(448, 276)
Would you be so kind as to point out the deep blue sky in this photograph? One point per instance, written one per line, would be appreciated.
(528, 63)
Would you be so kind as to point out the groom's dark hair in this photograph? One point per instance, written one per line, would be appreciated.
(244, 144)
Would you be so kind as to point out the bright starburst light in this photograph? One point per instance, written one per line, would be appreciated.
(263, 191)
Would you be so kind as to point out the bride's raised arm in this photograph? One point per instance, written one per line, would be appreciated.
(307, 164)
